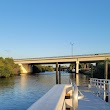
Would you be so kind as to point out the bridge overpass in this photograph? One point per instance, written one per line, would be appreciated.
(26, 63)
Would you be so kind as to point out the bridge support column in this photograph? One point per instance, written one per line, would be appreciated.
(25, 68)
(106, 70)
(85, 66)
(77, 66)
(57, 73)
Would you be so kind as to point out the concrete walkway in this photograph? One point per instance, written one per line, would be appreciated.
(91, 102)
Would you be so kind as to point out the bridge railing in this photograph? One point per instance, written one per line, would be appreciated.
(64, 56)
(101, 87)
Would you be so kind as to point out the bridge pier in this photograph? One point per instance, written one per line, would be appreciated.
(25, 68)
(77, 66)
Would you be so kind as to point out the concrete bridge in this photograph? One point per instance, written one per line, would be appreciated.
(26, 64)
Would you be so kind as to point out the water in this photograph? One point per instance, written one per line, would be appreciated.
(20, 92)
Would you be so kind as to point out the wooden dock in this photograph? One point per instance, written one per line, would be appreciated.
(91, 101)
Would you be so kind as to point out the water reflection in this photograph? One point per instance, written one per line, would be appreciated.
(23, 81)
(79, 79)
(6, 83)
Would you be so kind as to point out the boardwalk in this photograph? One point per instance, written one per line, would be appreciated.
(91, 102)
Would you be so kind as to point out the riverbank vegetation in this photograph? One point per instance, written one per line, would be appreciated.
(8, 67)
(99, 71)
(40, 68)
(93, 71)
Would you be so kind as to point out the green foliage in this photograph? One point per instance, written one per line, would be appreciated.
(8, 68)
(71, 67)
(108, 60)
(49, 68)
(100, 71)
(40, 68)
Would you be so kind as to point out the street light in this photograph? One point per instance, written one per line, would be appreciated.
(71, 48)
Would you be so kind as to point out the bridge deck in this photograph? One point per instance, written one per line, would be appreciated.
(92, 102)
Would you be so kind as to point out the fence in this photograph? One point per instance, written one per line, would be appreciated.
(101, 87)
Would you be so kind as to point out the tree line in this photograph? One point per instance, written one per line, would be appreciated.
(41, 68)
(8, 67)
(95, 71)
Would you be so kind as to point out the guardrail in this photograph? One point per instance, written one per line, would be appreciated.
(100, 87)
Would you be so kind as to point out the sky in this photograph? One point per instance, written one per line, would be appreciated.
(46, 28)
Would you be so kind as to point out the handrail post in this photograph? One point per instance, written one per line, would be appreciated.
(97, 87)
(75, 98)
(104, 91)
(109, 91)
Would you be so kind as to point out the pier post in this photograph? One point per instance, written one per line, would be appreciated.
(96, 67)
(92, 70)
(104, 90)
(77, 66)
(106, 70)
(57, 73)
(109, 92)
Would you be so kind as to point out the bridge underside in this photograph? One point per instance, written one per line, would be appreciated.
(28, 68)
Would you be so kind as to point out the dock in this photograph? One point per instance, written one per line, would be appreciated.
(91, 101)
(71, 97)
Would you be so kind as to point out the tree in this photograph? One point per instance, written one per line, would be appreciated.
(8, 67)
(40, 68)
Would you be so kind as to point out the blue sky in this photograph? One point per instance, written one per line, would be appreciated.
(45, 28)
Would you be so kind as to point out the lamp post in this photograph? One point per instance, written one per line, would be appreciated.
(71, 48)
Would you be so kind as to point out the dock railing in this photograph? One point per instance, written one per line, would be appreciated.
(100, 87)
(76, 95)
(60, 97)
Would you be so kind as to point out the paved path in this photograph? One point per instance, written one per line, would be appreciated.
(92, 102)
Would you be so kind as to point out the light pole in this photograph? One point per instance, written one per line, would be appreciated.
(71, 48)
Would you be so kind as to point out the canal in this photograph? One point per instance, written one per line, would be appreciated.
(20, 92)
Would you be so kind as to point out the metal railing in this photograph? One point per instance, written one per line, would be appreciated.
(101, 87)
(76, 95)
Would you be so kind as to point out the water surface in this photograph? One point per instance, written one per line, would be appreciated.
(20, 92)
